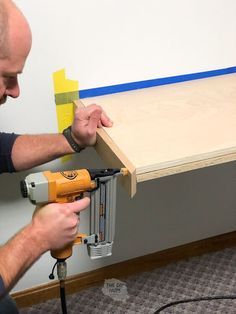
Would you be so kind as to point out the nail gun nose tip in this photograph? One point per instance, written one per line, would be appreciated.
(124, 171)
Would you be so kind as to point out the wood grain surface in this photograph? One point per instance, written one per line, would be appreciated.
(174, 128)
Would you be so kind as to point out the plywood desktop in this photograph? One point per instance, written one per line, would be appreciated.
(169, 129)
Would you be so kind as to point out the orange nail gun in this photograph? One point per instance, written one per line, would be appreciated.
(67, 186)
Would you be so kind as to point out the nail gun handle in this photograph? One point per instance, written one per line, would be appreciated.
(62, 253)
(66, 252)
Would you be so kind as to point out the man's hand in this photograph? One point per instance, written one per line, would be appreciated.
(57, 224)
(53, 227)
(86, 121)
(29, 151)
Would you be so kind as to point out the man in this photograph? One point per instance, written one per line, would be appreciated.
(54, 225)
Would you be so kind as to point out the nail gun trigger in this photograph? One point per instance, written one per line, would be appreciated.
(79, 197)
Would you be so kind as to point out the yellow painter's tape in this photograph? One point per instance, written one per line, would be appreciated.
(64, 89)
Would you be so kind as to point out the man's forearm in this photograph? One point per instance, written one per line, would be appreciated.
(32, 150)
(18, 254)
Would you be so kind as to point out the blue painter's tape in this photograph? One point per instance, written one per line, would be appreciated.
(99, 91)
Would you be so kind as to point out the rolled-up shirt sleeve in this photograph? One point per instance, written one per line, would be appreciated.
(6, 143)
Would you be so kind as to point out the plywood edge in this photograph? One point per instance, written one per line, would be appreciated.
(114, 157)
(155, 174)
(42, 293)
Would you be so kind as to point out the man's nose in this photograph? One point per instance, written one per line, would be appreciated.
(13, 90)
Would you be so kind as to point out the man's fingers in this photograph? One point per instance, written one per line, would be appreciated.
(94, 112)
(98, 118)
(105, 120)
(86, 122)
(94, 120)
(85, 112)
(80, 205)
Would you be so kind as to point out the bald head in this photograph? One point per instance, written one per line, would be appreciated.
(15, 44)
(14, 29)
